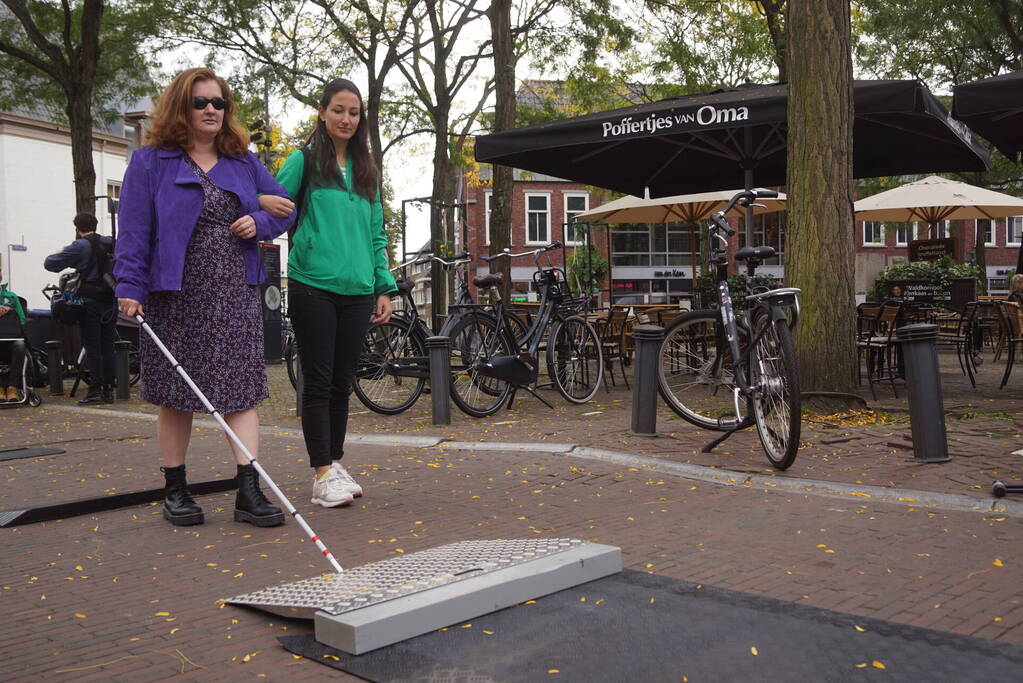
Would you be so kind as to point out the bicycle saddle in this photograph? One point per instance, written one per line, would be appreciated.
(404, 286)
(490, 280)
(759, 253)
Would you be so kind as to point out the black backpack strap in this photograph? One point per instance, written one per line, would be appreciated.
(99, 255)
(303, 189)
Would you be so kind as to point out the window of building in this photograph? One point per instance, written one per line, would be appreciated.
(110, 207)
(873, 234)
(941, 230)
(631, 245)
(904, 233)
(768, 230)
(986, 226)
(1013, 231)
(538, 218)
(575, 204)
(488, 197)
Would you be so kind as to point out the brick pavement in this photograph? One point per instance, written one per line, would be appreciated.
(121, 570)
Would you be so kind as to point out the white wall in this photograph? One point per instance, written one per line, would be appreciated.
(37, 205)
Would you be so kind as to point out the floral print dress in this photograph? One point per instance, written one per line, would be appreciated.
(213, 325)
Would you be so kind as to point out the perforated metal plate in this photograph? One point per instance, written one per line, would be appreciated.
(400, 576)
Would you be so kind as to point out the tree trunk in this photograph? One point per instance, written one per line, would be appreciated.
(79, 113)
(438, 233)
(820, 206)
(504, 119)
(774, 13)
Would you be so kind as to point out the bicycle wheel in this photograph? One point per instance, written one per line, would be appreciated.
(694, 375)
(134, 365)
(390, 356)
(476, 339)
(774, 377)
(574, 361)
(291, 360)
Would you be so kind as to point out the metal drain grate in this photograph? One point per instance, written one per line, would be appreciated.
(401, 576)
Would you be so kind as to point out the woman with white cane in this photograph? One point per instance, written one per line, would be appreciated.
(187, 259)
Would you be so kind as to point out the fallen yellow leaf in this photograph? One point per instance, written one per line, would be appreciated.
(754, 651)
(876, 664)
(860, 629)
(79, 615)
(998, 563)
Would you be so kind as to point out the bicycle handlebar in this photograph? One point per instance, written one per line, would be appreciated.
(426, 257)
(556, 244)
(744, 198)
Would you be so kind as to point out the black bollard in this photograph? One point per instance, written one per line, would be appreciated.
(644, 392)
(439, 351)
(923, 384)
(54, 360)
(122, 350)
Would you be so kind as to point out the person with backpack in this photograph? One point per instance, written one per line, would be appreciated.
(338, 279)
(90, 255)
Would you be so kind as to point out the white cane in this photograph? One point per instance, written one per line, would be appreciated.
(237, 442)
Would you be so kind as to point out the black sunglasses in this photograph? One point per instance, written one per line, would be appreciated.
(219, 103)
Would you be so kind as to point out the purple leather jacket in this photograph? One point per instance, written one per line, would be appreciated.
(159, 205)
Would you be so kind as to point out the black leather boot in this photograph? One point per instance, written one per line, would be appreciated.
(107, 391)
(94, 395)
(251, 505)
(178, 507)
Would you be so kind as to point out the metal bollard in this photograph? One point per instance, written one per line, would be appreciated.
(644, 392)
(122, 349)
(439, 351)
(54, 360)
(923, 384)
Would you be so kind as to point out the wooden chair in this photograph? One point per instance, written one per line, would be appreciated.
(879, 348)
(613, 344)
(1012, 321)
(958, 330)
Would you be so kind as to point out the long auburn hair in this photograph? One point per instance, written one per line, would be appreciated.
(364, 168)
(169, 127)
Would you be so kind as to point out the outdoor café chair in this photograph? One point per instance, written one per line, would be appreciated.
(879, 348)
(613, 344)
(1012, 321)
(958, 330)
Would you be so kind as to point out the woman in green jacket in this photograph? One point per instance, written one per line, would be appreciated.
(338, 280)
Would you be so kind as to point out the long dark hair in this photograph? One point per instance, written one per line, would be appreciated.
(364, 168)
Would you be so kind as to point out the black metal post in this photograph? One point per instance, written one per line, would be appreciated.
(439, 350)
(54, 361)
(644, 394)
(923, 384)
(122, 348)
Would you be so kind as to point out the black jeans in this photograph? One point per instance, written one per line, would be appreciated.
(98, 328)
(330, 330)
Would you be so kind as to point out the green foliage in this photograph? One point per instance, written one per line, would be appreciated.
(940, 272)
(122, 73)
(587, 269)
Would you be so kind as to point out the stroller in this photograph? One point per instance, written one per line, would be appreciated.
(13, 335)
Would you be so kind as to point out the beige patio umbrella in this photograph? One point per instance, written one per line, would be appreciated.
(936, 199)
(684, 208)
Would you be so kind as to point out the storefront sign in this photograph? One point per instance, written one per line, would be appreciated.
(932, 250)
(674, 273)
(917, 291)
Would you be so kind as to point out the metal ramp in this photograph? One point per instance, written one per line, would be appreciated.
(385, 602)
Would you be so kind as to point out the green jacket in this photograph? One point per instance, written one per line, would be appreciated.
(10, 299)
(340, 244)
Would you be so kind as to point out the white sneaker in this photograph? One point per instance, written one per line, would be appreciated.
(330, 490)
(347, 479)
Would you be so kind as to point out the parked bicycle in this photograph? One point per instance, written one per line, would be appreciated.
(394, 366)
(724, 370)
(490, 361)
